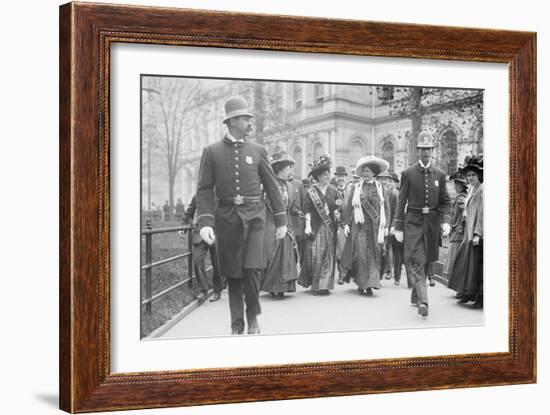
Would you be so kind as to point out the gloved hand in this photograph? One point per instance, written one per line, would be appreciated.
(446, 228)
(346, 230)
(207, 235)
(308, 230)
(386, 231)
(280, 232)
(392, 230)
(475, 240)
(398, 235)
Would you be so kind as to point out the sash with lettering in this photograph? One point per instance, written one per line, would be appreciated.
(320, 208)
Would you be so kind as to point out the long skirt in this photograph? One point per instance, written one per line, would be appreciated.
(451, 258)
(365, 268)
(467, 273)
(281, 272)
(318, 268)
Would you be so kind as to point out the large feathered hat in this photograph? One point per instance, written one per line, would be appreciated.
(474, 163)
(324, 163)
(376, 164)
(458, 176)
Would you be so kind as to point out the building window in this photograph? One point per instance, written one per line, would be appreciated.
(388, 153)
(448, 152)
(298, 95)
(319, 92)
(297, 156)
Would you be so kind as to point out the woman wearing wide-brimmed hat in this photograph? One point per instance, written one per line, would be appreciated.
(321, 204)
(467, 274)
(366, 219)
(457, 222)
(281, 273)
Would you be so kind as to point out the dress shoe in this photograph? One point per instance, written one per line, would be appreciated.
(432, 282)
(368, 292)
(215, 297)
(253, 328)
(478, 303)
(465, 299)
(340, 281)
(236, 332)
(281, 295)
(423, 310)
(360, 291)
(388, 276)
(324, 292)
(396, 283)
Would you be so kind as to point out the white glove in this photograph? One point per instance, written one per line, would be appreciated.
(385, 231)
(280, 232)
(446, 228)
(207, 235)
(346, 230)
(392, 230)
(398, 236)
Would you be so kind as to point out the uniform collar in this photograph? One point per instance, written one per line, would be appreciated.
(426, 167)
(233, 139)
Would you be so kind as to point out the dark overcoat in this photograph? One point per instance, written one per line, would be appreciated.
(229, 169)
(422, 188)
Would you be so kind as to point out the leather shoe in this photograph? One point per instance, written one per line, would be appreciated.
(432, 282)
(236, 332)
(254, 329)
(423, 310)
(215, 297)
(369, 293)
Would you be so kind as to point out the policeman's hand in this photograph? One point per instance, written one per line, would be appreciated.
(280, 232)
(207, 235)
(392, 230)
(346, 231)
(475, 241)
(446, 228)
(398, 236)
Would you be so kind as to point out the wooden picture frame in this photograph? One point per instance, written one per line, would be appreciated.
(86, 33)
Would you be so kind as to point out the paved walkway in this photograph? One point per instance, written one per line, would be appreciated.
(343, 310)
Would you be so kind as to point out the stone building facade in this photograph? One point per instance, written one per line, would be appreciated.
(346, 121)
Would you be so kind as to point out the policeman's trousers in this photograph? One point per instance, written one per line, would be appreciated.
(419, 290)
(243, 291)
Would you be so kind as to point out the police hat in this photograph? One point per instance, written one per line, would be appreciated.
(236, 107)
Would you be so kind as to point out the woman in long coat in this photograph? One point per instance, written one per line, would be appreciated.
(281, 272)
(468, 270)
(457, 227)
(366, 217)
(320, 205)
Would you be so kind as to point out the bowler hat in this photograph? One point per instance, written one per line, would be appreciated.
(425, 140)
(236, 107)
(394, 176)
(340, 171)
(377, 165)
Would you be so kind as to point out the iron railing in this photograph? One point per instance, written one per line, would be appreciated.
(148, 265)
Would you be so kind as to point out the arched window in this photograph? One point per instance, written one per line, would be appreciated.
(297, 155)
(388, 153)
(358, 148)
(448, 152)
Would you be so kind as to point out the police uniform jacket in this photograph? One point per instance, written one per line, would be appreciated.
(422, 205)
(230, 169)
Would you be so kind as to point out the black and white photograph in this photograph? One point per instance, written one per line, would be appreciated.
(286, 207)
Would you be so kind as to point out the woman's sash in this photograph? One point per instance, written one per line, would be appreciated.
(320, 208)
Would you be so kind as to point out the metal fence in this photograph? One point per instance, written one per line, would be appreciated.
(148, 265)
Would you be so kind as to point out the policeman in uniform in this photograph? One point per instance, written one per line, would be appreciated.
(235, 170)
(424, 191)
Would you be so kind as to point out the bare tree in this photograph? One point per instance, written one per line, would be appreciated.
(166, 102)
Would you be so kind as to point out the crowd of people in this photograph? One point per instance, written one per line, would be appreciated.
(268, 231)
